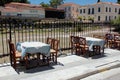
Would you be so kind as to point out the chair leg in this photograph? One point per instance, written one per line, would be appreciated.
(26, 61)
(55, 57)
(14, 64)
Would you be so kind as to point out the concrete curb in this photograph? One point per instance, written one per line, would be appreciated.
(97, 70)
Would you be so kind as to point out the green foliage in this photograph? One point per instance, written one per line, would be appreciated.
(116, 23)
(55, 3)
(118, 1)
(80, 18)
(44, 4)
(90, 18)
(3, 2)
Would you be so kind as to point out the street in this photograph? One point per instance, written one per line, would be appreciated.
(112, 74)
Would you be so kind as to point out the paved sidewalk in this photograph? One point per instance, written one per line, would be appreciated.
(71, 67)
(113, 74)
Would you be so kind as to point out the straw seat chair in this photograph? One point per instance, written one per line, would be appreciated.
(117, 41)
(54, 43)
(75, 45)
(15, 56)
(83, 45)
(54, 50)
(109, 38)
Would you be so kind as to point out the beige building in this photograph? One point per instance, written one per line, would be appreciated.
(71, 10)
(102, 11)
(22, 10)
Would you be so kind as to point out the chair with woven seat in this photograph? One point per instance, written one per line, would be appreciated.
(74, 40)
(50, 41)
(117, 41)
(54, 50)
(16, 56)
(109, 38)
(83, 45)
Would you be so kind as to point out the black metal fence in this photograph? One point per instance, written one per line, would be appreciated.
(19, 30)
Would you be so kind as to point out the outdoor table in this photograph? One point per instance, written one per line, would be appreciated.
(94, 41)
(40, 49)
(33, 47)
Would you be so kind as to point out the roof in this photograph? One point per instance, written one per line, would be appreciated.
(54, 9)
(110, 3)
(69, 4)
(24, 6)
(10, 9)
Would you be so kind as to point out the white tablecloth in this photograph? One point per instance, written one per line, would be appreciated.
(94, 41)
(33, 47)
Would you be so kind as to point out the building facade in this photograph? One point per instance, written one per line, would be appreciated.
(23, 10)
(101, 11)
(71, 10)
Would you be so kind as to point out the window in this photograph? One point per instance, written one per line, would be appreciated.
(115, 9)
(109, 9)
(106, 18)
(92, 10)
(119, 11)
(69, 8)
(106, 9)
(99, 9)
(65, 9)
(69, 15)
(115, 17)
(73, 8)
(109, 18)
(98, 18)
(80, 10)
(83, 10)
(89, 11)
(77, 10)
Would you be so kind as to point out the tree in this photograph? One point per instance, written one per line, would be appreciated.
(118, 1)
(44, 5)
(98, 1)
(116, 23)
(80, 18)
(3, 2)
(55, 3)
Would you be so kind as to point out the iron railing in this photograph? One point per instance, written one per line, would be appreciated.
(20, 30)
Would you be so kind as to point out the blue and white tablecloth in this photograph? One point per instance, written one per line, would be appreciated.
(94, 41)
(33, 47)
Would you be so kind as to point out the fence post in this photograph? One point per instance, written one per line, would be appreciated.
(10, 38)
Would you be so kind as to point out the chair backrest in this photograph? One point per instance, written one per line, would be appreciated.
(82, 41)
(74, 39)
(116, 37)
(109, 36)
(98, 36)
(50, 42)
(13, 50)
(56, 44)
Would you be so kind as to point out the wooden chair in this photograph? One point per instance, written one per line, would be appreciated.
(16, 56)
(54, 50)
(50, 42)
(98, 36)
(75, 44)
(83, 45)
(109, 38)
(97, 48)
(117, 41)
